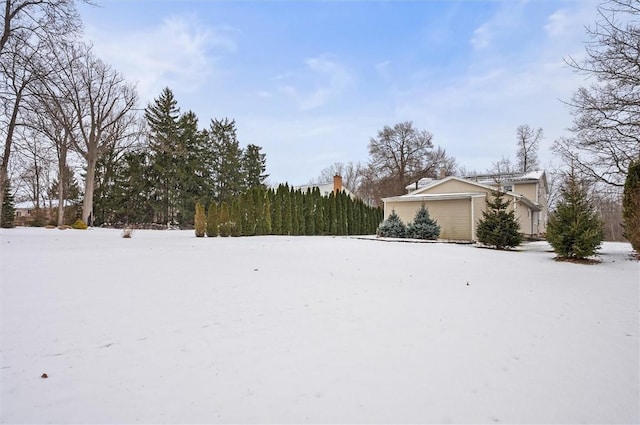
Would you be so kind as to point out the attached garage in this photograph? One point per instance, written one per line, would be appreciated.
(456, 214)
(457, 205)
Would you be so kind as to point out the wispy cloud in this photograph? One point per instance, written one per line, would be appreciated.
(320, 81)
(179, 53)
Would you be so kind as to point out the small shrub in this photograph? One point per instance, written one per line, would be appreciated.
(228, 228)
(392, 227)
(423, 226)
(79, 224)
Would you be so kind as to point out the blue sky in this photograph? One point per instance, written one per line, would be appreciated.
(312, 81)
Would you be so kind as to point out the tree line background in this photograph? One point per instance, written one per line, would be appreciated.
(66, 116)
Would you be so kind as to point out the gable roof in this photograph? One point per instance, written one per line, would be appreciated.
(422, 193)
(486, 179)
(435, 183)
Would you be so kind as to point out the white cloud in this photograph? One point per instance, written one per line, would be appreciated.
(481, 37)
(321, 81)
(177, 53)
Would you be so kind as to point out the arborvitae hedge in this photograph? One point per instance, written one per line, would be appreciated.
(212, 220)
(199, 220)
(285, 211)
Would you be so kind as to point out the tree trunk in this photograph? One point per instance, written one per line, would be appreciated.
(4, 167)
(89, 184)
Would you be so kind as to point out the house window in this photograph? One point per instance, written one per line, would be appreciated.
(507, 188)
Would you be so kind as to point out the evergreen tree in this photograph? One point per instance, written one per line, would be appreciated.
(277, 212)
(498, 226)
(8, 208)
(267, 226)
(225, 227)
(235, 214)
(333, 216)
(392, 227)
(227, 160)
(212, 220)
(423, 226)
(249, 210)
(287, 221)
(318, 213)
(574, 229)
(258, 203)
(193, 179)
(254, 167)
(166, 153)
(199, 220)
(276, 222)
(631, 205)
(308, 208)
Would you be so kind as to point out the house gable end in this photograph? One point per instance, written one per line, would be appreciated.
(452, 185)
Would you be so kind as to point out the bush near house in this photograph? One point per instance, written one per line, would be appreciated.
(392, 227)
(423, 226)
(499, 227)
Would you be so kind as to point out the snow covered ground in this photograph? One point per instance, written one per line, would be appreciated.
(169, 328)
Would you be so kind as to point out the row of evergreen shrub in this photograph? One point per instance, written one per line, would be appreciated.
(287, 211)
(422, 227)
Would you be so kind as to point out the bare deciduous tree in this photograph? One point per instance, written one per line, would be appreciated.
(102, 105)
(350, 172)
(400, 154)
(528, 141)
(607, 113)
(26, 26)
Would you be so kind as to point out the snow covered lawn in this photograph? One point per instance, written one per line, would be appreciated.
(169, 328)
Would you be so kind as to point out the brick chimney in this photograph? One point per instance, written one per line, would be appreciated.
(337, 183)
(442, 174)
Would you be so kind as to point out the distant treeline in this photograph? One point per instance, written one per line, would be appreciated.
(287, 211)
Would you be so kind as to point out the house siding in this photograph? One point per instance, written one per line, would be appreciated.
(451, 186)
(453, 216)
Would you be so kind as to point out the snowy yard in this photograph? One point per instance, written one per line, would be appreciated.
(169, 328)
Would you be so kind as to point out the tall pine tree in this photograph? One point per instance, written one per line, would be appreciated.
(166, 153)
(254, 167)
(227, 160)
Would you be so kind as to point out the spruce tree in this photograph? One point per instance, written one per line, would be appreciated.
(227, 160)
(8, 208)
(254, 167)
(574, 229)
(631, 205)
(212, 220)
(162, 118)
(199, 220)
(423, 226)
(392, 227)
(498, 226)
